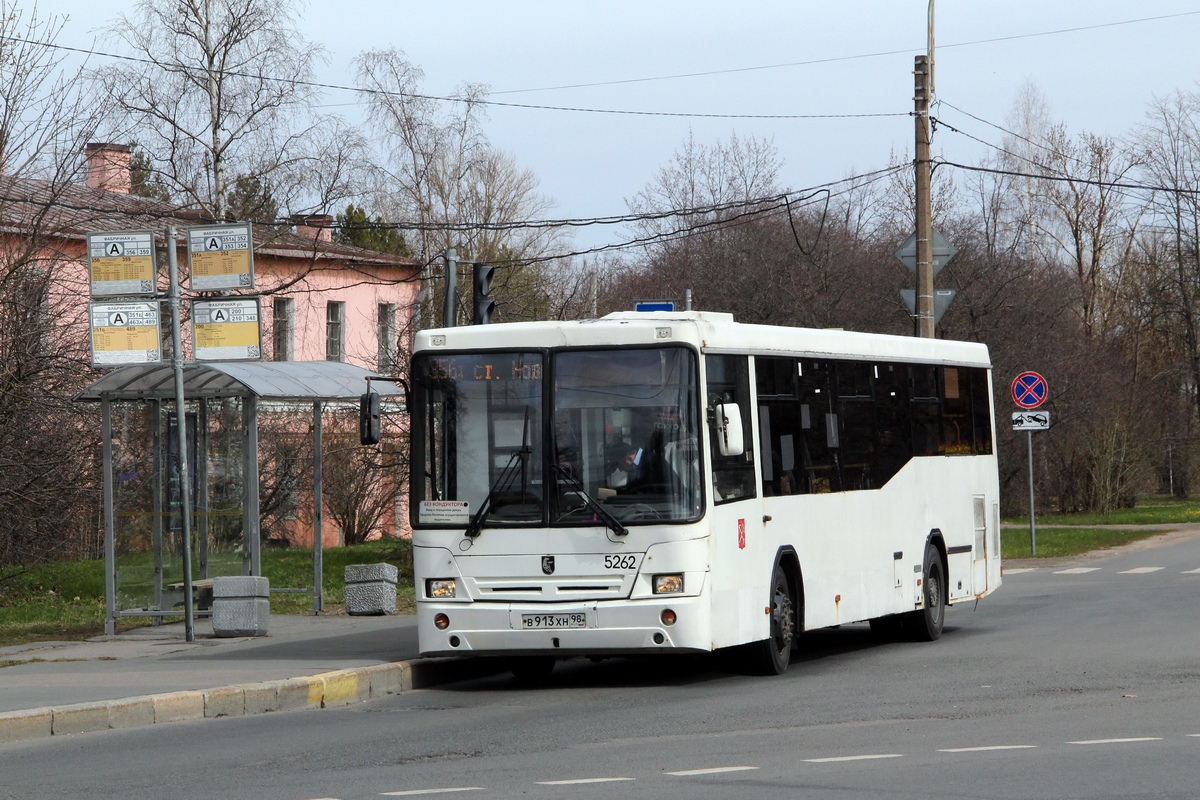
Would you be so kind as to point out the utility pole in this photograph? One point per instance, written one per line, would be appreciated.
(924, 305)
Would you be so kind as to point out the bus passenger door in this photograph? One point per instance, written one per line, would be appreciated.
(740, 570)
(979, 551)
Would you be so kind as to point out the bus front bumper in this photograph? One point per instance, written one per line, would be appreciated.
(590, 628)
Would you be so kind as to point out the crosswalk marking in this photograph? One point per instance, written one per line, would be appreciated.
(1077, 570)
(1139, 570)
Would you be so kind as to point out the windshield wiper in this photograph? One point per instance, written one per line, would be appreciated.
(603, 514)
(503, 482)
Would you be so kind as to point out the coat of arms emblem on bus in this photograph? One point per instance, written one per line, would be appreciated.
(548, 565)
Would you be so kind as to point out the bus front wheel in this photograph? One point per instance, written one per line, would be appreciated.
(772, 655)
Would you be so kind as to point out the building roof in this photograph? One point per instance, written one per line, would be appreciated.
(266, 380)
(70, 211)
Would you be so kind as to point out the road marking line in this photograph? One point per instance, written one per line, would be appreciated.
(1191, 572)
(853, 758)
(988, 747)
(1120, 741)
(710, 770)
(447, 790)
(1077, 570)
(1019, 570)
(1139, 570)
(1194, 734)
(575, 781)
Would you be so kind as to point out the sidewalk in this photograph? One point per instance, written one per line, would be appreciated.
(152, 675)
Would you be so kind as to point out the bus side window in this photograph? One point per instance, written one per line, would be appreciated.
(729, 382)
(981, 412)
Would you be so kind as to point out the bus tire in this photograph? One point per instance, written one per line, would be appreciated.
(925, 624)
(772, 655)
(531, 670)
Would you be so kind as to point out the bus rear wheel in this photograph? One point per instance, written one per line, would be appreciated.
(925, 624)
(771, 656)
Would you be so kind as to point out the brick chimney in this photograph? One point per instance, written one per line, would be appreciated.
(314, 226)
(108, 167)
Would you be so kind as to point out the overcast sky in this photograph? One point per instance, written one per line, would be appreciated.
(1098, 64)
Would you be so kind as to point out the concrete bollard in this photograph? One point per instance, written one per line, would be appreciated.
(370, 589)
(241, 606)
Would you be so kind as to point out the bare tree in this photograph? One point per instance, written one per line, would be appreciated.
(1089, 221)
(48, 492)
(222, 88)
(439, 174)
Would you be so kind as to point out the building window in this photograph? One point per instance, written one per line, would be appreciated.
(283, 325)
(387, 338)
(335, 331)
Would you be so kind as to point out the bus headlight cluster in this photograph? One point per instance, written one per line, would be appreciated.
(441, 588)
(671, 583)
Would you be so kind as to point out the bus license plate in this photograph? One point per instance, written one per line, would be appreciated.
(554, 620)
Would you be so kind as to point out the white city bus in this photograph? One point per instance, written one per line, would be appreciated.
(678, 482)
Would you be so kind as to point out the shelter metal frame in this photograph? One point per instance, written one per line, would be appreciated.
(319, 382)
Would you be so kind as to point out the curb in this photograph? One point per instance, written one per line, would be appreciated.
(326, 690)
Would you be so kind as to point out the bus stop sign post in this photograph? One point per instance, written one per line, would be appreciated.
(1029, 390)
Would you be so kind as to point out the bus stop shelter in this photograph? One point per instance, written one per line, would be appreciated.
(141, 475)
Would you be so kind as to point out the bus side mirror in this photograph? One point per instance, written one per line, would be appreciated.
(729, 429)
(369, 418)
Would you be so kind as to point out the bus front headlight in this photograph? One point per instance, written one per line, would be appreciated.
(441, 588)
(671, 583)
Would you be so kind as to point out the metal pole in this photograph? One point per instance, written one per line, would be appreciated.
(251, 512)
(318, 514)
(1032, 523)
(110, 547)
(450, 316)
(687, 299)
(189, 622)
(925, 317)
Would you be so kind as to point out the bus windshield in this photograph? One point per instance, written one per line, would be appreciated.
(620, 438)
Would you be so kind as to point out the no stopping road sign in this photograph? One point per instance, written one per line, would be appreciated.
(1029, 390)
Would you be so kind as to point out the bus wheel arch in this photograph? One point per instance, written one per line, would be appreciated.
(785, 608)
(926, 623)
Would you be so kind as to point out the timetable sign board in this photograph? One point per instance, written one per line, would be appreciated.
(125, 333)
(122, 263)
(227, 330)
(220, 257)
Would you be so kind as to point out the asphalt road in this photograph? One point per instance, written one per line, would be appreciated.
(1075, 680)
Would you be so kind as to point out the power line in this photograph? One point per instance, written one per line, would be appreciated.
(466, 100)
(857, 57)
(1140, 187)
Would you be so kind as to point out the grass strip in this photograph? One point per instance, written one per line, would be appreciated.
(1055, 542)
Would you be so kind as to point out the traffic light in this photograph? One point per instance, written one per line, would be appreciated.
(369, 418)
(484, 307)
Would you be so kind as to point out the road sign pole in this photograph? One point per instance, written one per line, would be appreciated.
(185, 499)
(1032, 523)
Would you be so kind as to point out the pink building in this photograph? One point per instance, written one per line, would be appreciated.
(320, 300)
